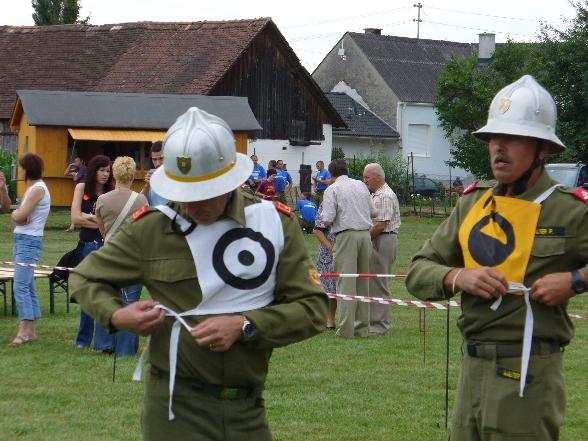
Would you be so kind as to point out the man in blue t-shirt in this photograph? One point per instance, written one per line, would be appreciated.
(258, 175)
(321, 181)
(307, 210)
(283, 181)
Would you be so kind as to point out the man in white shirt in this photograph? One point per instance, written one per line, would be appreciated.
(347, 208)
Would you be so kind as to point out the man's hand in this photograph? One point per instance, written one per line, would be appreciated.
(482, 282)
(138, 317)
(148, 176)
(553, 289)
(219, 333)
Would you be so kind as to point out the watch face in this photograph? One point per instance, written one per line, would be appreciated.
(578, 285)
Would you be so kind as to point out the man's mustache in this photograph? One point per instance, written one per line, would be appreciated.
(501, 158)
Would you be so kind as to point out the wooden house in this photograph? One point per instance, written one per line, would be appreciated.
(247, 58)
(60, 125)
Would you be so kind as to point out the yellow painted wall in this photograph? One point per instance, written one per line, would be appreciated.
(26, 135)
(241, 142)
(51, 144)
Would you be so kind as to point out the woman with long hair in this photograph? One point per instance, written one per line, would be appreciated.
(112, 209)
(98, 181)
(30, 220)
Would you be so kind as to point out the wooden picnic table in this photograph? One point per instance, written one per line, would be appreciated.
(7, 276)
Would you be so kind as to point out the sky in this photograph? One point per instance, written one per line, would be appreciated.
(313, 27)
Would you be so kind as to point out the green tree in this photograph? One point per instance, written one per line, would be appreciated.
(56, 12)
(394, 167)
(559, 61)
(564, 61)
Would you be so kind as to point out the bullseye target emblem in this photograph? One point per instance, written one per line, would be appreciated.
(248, 254)
(488, 250)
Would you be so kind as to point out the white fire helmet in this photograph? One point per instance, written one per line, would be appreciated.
(199, 159)
(523, 108)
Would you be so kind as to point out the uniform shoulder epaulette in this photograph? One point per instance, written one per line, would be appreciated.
(140, 213)
(283, 208)
(580, 192)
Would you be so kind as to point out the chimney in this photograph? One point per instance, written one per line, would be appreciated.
(486, 46)
(375, 31)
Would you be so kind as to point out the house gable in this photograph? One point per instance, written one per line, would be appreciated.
(294, 96)
(356, 70)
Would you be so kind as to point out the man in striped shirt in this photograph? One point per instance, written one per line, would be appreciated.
(385, 242)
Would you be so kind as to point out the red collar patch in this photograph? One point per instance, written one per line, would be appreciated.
(140, 213)
(581, 193)
(282, 208)
(470, 187)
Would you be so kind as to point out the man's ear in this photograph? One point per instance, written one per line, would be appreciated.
(544, 150)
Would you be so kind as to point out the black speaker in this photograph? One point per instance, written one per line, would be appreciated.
(305, 172)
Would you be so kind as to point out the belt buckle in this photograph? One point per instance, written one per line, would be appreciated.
(229, 393)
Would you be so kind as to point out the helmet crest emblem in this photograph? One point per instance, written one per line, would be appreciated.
(504, 104)
(184, 163)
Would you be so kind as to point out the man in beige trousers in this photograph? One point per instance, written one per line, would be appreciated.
(347, 208)
(385, 242)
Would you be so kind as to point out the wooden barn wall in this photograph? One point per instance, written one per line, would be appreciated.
(278, 92)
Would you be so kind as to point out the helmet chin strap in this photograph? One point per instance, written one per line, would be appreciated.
(520, 185)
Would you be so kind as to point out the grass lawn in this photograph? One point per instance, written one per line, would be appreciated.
(380, 388)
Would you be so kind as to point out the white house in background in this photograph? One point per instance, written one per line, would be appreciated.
(293, 155)
(365, 130)
(397, 78)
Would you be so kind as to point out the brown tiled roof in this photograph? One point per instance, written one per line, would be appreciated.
(144, 57)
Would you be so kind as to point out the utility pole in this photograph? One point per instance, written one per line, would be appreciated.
(418, 20)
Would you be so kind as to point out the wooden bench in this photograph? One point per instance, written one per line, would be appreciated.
(55, 286)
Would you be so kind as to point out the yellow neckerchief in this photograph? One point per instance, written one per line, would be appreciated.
(498, 232)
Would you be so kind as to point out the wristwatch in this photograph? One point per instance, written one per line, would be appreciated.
(248, 330)
(578, 283)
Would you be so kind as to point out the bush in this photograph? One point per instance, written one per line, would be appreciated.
(6, 160)
(337, 153)
(394, 167)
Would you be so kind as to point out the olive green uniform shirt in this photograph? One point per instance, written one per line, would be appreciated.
(561, 244)
(149, 252)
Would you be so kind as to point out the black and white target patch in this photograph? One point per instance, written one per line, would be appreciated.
(243, 258)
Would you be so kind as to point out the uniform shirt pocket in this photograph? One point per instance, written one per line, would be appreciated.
(171, 270)
(548, 246)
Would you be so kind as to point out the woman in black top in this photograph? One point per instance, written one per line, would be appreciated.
(98, 181)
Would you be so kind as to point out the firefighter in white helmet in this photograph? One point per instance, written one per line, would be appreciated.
(230, 279)
(517, 251)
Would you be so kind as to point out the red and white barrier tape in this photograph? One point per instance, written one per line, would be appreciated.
(363, 276)
(389, 301)
(365, 299)
(413, 303)
(35, 265)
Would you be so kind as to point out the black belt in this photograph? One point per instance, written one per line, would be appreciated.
(214, 390)
(388, 232)
(348, 229)
(506, 350)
